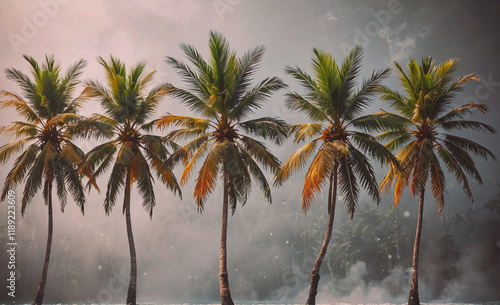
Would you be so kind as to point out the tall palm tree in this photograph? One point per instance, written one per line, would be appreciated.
(425, 108)
(128, 105)
(332, 102)
(49, 109)
(221, 91)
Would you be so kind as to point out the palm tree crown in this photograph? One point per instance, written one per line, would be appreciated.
(220, 90)
(334, 105)
(127, 105)
(49, 111)
(427, 140)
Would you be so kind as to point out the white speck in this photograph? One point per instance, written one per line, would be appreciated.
(406, 214)
(235, 269)
(271, 233)
(145, 273)
(276, 257)
(99, 267)
(389, 256)
(171, 247)
(287, 242)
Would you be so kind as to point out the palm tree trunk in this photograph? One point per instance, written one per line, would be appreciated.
(132, 288)
(414, 299)
(43, 279)
(332, 196)
(225, 293)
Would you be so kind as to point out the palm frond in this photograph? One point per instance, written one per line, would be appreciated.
(207, 176)
(255, 97)
(348, 184)
(464, 125)
(20, 168)
(320, 169)
(295, 101)
(22, 108)
(268, 128)
(115, 184)
(437, 182)
(295, 162)
(305, 131)
(261, 154)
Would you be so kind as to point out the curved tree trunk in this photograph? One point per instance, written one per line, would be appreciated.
(225, 293)
(414, 299)
(332, 196)
(43, 279)
(132, 288)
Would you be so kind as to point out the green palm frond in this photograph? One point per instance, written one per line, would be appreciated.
(145, 186)
(437, 182)
(348, 184)
(260, 153)
(364, 170)
(20, 168)
(257, 174)
(255, 97)
(267, 127)
(115, 184)
(358, 101)
(470, 145)
(295, 101)
(465, 125)
(374, 149)
(35, 174)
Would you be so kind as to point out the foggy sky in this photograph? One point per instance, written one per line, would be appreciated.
(151, 30)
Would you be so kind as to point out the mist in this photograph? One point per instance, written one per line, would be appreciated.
(271, 247)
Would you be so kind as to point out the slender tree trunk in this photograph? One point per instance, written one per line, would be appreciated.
(414, 299)
(225, 293)
(43, 279)
(132, 288)
(332, 196)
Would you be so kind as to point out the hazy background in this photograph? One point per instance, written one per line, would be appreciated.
(271, 247)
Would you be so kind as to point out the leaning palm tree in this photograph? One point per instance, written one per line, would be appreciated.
(49, 109)
(127, 104)
(340, 154)
(221, 91)
(426, 143)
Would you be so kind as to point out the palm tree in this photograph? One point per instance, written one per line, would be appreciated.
(127, 104)
(426, 104)
(334, 105)
(220, 90)
(49, 110)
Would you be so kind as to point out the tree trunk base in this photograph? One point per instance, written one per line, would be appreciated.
(413, 299)
(131, 298)
(38, 298)
(225, 293)
(313, 290)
